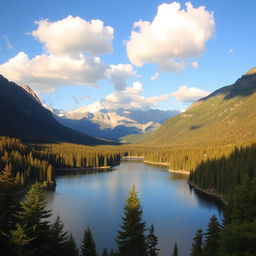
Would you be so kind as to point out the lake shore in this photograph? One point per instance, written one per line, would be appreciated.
(157, 163)
(179, 171)
(212, 194)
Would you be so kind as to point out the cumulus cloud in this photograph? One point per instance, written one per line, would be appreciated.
(230, 51)
(71, 58)
(189, 94)
(7, 41)
(174, 36)
(74, 35)
(47, 72)
(119, 74)
(131, 97)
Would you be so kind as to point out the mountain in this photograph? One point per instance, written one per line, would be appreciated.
(113, 124)
(22, 115)
(226, 116)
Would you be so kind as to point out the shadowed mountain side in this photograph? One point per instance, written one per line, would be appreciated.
(226, 116)
(24, 117)
(97, 129)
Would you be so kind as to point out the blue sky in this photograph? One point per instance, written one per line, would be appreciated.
(226, 50)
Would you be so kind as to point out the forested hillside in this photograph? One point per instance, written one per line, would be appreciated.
(227, 116)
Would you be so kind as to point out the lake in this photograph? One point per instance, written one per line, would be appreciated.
(96, 199)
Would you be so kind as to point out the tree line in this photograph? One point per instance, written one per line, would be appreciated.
(31, 162)
(222, 175)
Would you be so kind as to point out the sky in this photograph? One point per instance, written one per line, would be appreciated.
(128, 54)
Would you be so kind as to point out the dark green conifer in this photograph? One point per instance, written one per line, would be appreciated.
(198, 243)
(70, 248)
(131, 238)
(59, 237)
(175, 250)
(105, 252)
(88, 247)
(151, 242)
(33, 222)
(212, 237)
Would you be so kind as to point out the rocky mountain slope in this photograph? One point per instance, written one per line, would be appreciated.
(113, 124)
(23, 116)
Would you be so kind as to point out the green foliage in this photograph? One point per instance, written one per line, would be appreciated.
(224, 174)
(175, 250)
(242, 205)
(88, 247)
(105, 252)
(197, 245)
(151, 242)
(212, 237)
(32, 226)
(58, 237)
(227, 116)
(238, 239)
(131, 238)
(71, 249)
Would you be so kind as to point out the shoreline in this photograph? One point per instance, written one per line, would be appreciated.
(156, 163)
(217, 196)
(132, 157)
(179, 171)
(82, 168)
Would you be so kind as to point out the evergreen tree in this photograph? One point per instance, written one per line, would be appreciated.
(131, 239)
(175, 250)
(151, 242)
(241, 207)
(32, 222)
(105, 252)
(9, 195)
(59, 237)
(70, 248)
(198, 243)
(88, 247)
(212, 237)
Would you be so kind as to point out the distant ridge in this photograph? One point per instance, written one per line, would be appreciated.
(227, 116)
(23, 116)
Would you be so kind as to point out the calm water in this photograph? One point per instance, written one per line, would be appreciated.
(97, 198)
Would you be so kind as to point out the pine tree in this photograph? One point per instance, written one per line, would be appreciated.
(70, 248)
(151, 242)
(88, 247)
(131, 238)
(32, 222)
(198, 243)
(59, 237)
(105, 252)
(9, 203)
(175, 250)
(212, 237)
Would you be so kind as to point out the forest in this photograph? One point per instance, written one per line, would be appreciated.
(29, 169)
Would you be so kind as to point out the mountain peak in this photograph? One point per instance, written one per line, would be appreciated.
(251, 72)
(31, 93)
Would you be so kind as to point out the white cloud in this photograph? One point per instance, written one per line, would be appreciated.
(194, 64)
(74, 35)
(119, 74)
(86, 97)
(155, 76)
(189, 94)
(47, 72)
(174, 36)
(230, 51)
(7, 41)
(131, 97)
(71, 45)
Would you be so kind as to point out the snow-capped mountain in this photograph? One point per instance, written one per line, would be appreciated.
(112, 124)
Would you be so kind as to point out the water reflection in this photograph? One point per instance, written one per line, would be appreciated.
(96, 199)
